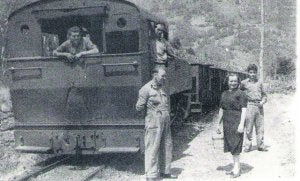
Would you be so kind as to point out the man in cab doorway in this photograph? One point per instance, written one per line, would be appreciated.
(163, 49)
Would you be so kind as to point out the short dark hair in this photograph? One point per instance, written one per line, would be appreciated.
(156, 70)
(252, 67)
(74, 29)
(24, 27)
(231, 74)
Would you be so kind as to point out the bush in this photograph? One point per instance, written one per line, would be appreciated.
(286, 66)
(283, 84)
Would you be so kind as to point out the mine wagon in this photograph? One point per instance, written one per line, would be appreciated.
(208, 82)
(204, 95)
(85, 107)
(198, 97)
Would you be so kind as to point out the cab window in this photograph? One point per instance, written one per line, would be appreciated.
(122, 33)
(54, 31)
(122, 42)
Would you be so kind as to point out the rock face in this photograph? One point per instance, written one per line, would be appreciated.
(6, 120)
(12, 163)
(5, 101)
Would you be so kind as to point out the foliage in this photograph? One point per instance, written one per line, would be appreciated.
(191, 51)
(285, 67)
(281, 84)
(205, 25)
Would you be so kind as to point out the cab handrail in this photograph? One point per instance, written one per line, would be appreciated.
(86, 56)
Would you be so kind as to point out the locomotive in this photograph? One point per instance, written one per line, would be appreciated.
(85, 107)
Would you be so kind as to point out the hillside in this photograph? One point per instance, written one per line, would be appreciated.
(227, 31)
(222, 31)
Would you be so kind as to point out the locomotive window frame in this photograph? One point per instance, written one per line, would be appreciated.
(119, 42)
(151, 29)
(93, 24)
(210, 79)
(28, 43)
(122, 39)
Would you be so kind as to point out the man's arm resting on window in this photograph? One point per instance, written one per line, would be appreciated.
(89, 52)
(60, 54)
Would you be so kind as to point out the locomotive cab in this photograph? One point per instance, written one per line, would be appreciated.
(86, 106)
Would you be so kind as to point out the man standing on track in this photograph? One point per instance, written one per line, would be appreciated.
(158, 141)
(255, 111)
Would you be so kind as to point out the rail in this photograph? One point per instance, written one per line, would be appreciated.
(39, 171)
(86, 174)
(93, 173)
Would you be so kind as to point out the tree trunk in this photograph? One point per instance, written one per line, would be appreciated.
(262, 37)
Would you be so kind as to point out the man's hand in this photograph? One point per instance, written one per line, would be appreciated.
(219, 129)
(78, 55)
(261, 104)
(70, 57)
(240, 129)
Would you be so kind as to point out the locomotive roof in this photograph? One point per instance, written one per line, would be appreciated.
(20, 5)
(223, 65)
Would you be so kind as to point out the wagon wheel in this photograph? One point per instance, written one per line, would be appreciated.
(180, 111)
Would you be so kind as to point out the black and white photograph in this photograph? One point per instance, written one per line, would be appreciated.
(148, 90)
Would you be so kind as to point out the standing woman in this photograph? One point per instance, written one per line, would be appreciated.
(233, 112)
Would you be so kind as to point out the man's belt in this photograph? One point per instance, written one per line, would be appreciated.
(159, 111)
(162, 63)
(254, 102)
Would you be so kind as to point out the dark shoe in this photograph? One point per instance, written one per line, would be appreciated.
(262, 149)
(236, 175)
(169, 176)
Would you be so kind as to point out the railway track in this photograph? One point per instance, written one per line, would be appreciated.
(93, 173)
(36, 171)
(83, 173)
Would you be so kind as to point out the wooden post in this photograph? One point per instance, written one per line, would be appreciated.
(262, 37)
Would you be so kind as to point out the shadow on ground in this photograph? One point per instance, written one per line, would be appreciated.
(245, 168)
(254, 147)
(127, 162)
(134, 162)
(181, 140)
(183, 136)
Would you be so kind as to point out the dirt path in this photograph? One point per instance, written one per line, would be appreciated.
(195, 157)
(201, 161)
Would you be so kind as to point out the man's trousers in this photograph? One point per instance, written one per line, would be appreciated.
(254, 117)
(158, 144)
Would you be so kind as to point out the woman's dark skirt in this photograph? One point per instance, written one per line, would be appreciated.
(233, 141)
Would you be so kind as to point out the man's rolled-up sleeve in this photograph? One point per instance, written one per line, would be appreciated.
(142, 100)
(62, 47)
(90, 45)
